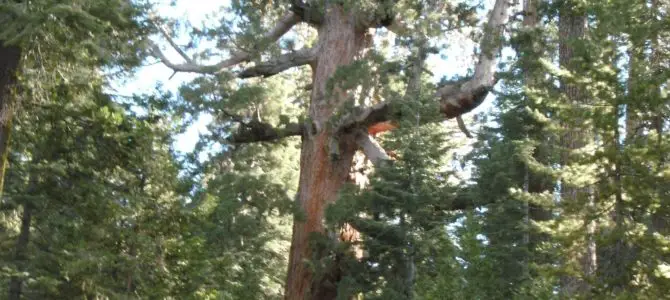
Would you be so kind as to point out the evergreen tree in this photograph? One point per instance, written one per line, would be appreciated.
(355, 87)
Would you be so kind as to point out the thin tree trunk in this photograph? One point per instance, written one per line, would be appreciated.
(617, 260)
(572, 26)
(10, 57)
(20, 255)
(613, 271)
(9, 62)
(529, 23)
(321, 174)
(21, 249)
(660, 222)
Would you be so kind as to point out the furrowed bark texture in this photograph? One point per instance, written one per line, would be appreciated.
(321, 176)
(572, 27)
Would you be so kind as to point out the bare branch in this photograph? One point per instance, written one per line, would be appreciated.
(280, 64)
(283, 26)
(169, 39)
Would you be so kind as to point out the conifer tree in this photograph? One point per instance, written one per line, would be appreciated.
(341, 104)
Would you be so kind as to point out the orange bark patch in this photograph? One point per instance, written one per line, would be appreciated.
(381, 127)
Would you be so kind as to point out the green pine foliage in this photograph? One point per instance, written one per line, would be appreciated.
(97, 205)
(402, 216)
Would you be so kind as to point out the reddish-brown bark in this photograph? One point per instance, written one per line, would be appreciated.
(378, 128)
(321, 176)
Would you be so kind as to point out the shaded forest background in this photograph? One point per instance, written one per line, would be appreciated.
(560, 189)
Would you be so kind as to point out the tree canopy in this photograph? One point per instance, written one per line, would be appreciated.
(403, 149)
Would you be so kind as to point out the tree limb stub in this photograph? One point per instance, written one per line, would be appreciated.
(236, 57)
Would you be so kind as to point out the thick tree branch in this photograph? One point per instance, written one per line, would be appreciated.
(378, 113)
(280, 64)
(236, 57)
(374, 152)
(458, 98)
(256, 131)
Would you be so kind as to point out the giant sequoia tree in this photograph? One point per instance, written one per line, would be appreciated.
(354, 90)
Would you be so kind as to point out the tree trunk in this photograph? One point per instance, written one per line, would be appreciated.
(529, 22)
(21, 249)
(572, 25)
(20, 255)
(322, 174)
(9, 63)
(660, 222)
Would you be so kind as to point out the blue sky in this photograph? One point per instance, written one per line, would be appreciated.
(456, 60)
(146, 78)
